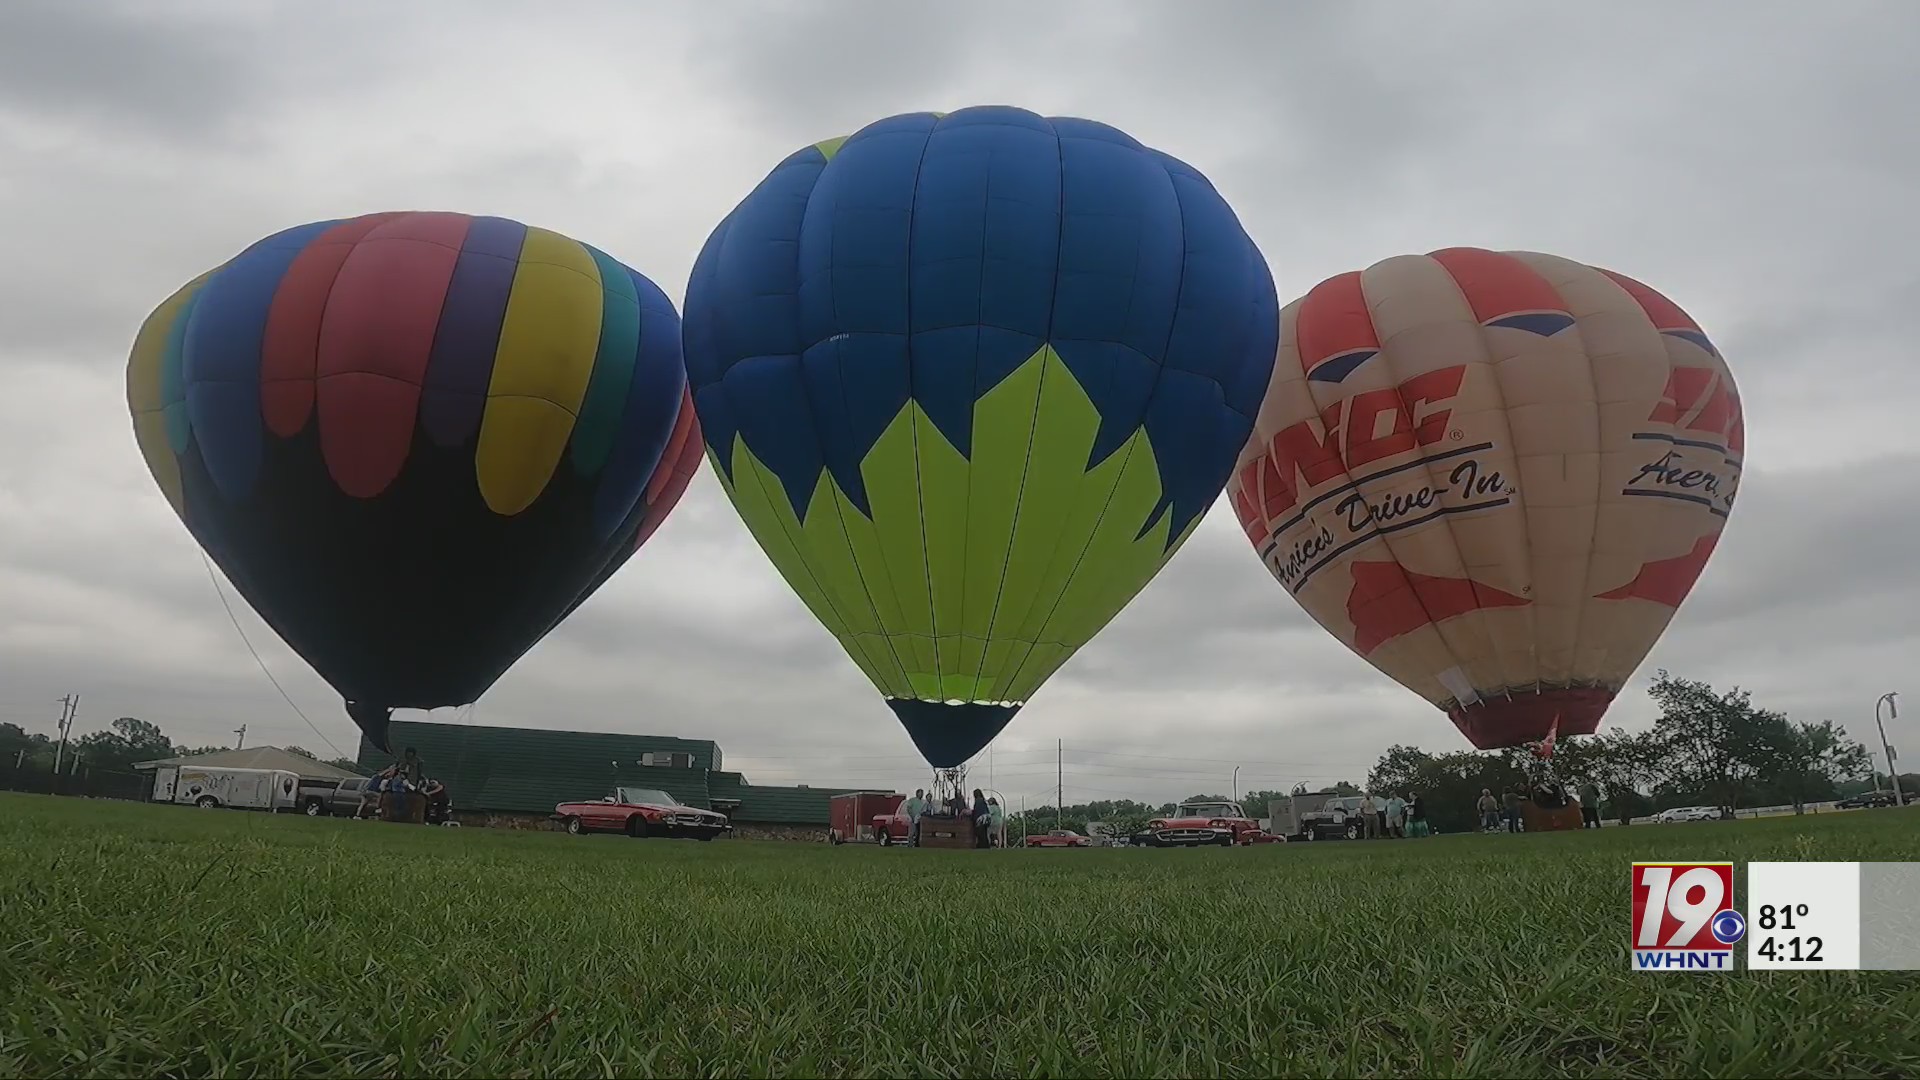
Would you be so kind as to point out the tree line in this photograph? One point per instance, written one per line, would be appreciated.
(115, 748)
(1706, 749)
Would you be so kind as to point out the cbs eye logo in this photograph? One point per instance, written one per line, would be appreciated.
(1728, 927)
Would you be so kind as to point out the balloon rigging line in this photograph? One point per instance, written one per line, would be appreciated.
(235, 619)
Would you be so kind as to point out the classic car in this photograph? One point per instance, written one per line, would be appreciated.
(1687, 813)
(1059, 838)
(1199, 823)
(641, 812)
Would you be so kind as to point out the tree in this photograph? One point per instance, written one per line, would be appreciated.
(1716, 744)
(1809, 760)
(1624, 766)
(128, 740)
(1448, 784)
(302, 751)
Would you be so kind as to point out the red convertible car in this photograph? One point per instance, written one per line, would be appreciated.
(641, 812)
(1060, 838)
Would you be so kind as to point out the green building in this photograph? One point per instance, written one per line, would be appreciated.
(528, 771)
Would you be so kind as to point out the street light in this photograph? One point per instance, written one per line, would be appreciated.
(1893, 713)
(1236, 783)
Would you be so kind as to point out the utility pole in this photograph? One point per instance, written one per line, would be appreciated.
(242, 732)
(1060, 779)
(69, 705)
(1893, 711)
(1236, 783)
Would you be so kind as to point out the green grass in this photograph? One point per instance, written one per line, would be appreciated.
(153, 940)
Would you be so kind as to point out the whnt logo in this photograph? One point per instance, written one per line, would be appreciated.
(1683, 917)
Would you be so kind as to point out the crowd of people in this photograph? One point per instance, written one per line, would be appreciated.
(1397, 816)
(989, 818)
(397, 784)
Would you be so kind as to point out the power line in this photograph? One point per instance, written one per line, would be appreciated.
(235, 620)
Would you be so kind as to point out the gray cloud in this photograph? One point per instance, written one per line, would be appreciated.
(1758, 166)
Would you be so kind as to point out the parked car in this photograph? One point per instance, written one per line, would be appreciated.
(1059, 838)
(1687, 813)
(342, 800)
(641, 812)
(1201, 823)
(1327, 817)
(1868, 798)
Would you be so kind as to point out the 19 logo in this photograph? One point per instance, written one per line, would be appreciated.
(1683, 917)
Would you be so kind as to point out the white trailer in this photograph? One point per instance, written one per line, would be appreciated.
(240, 789)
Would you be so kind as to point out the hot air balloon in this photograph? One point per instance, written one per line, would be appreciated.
(1494, 475)
(415, 441)
(971, 379)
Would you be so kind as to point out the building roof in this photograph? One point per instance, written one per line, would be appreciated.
(531, 770)
(257, 757)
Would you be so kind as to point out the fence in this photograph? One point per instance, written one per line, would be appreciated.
(87, 782)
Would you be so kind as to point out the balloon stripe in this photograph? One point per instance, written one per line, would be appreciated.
(677, 468)
(173, 374)
(289, 351)
(605, 403)
(1500, 288)
(376, 340)
(221, 357)
(467, 339)
(640, 423)
(541, 370)
(1336, 333)
(153, 364)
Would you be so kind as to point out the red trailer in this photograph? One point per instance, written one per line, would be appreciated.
(866, 817)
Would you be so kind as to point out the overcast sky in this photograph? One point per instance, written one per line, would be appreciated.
(1755, 161)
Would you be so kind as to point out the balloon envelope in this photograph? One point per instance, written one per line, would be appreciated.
(1494, 476)
(415, 441)
(971, 379)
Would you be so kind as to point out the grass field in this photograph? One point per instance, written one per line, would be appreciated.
(153, 940)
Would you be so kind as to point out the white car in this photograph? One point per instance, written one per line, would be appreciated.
(1688, 813)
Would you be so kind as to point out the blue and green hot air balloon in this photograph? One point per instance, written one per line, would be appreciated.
(971, 379)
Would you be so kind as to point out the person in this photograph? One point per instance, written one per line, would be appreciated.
(439, 803)
(1512, 799)
(409, 773)
(916, 805)
(1489, 811)
(1416, 815)
(1370, 816)
(982, 818)
(370, 795)
(1396, 816)
(1589, 804)
(996, 823)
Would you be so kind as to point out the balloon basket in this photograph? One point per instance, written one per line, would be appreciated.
(1537, 818)
(416, 812)
(946, 831)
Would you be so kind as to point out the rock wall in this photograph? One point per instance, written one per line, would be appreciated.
(478, 819)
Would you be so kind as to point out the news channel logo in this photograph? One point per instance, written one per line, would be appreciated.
(1683, 919)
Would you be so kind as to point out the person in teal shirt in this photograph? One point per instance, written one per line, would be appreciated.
(916, 805)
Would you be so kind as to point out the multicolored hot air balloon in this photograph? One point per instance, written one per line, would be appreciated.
(1494, 476)
(415, 441)
(971, 379)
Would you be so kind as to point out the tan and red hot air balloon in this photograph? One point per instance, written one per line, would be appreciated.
(1494, 475)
